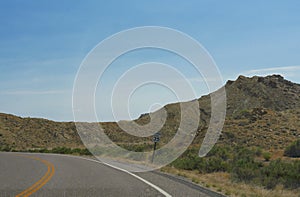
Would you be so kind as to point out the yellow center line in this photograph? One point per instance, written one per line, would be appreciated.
(40, 183)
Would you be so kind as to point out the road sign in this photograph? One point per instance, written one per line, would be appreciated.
(156, 137)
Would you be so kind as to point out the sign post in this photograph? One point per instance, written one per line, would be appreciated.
(155, 139)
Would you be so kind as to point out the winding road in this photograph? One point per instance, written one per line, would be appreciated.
(48, 175)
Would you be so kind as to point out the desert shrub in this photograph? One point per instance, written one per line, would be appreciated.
(215, 164)
(61, 150)
(267, 156)
(245, 170)
(244, 167)
(293, 150)
(188, 160)
(44, 150)
(216, 160)
(5, 148)
(258, 151)
(280, 172)
(241, 164)
(293, 177)
(80, 151)
(229, 135)
(223, 152)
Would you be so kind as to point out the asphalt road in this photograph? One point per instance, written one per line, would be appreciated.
(47, 175)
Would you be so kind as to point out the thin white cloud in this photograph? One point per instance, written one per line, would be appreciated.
(30, 92)
(286, 70)
(291, 73)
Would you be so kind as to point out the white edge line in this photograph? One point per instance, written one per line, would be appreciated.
(134, 175)
(117, 168)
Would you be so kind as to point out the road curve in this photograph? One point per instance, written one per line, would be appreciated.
(48, 175)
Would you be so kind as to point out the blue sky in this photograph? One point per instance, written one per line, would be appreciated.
(44, 42)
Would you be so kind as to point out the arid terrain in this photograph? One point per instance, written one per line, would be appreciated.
(263, 116)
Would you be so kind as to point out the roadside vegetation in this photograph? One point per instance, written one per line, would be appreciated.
(247, 165)
(57, 150)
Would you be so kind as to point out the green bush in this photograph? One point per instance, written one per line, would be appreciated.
(280, 172)
(223, 152)
(241, 164)
(244, 167)
(188, 161)
(293, 150)
(293, 180)
(214, 164)
(5, 149)
(79, 151)
(218, 159)
(44, 150)
(267, 156)
(61, 150)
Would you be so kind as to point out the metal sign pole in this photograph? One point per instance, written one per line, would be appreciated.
(154, 148)
(156, 139)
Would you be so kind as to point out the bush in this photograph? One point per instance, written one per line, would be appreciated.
(44, 150)
(293, 180)
(188, 161)
(5, 149)
(241, 163)
(293, 150)
(258, 151)
(222, 152)
(61, 150)
(218, 159)
(215, 164)
(267, 156)
(244, 167)
(79, 151)
(65, 150)
(279, 172)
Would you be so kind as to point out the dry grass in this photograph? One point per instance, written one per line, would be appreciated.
(220, 182)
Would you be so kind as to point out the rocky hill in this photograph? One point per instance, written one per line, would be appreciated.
(261, 111)
(271, 92)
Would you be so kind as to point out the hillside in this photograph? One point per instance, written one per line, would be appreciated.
(27, 133)
(261, 111)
